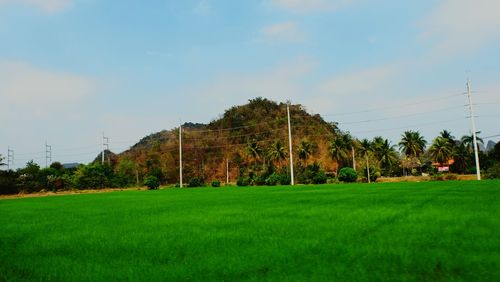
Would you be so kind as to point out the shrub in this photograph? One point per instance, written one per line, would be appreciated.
(348, 174)
(196, 182)
(243, 181)
(152, 182)
(285, 179)
(450, 176)
(273, 179)
(320, 178)
(215, 183)
(493, 172)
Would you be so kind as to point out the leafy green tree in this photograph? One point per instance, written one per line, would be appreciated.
(304, 150)
(348, 174)
(337, 150)
(412, 143)
(441, 150)
(254, 150)
(277, 152)
(152, 182)
(468, 141)
(365, 149)
(461, 157)
(385, 153)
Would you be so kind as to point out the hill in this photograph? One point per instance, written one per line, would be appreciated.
(207, 147)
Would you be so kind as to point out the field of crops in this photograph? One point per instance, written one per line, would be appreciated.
(389, 231)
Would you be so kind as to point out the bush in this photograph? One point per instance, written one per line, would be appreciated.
(152, 182)
(348, 174)
(196, 182)
(320, 178)
(273, 179)
(493, 172)
(243, 181)
(215, 183)
(285, 179)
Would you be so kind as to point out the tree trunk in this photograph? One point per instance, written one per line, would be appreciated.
(367, 168)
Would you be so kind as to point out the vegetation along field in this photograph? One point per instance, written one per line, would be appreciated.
(392, 231)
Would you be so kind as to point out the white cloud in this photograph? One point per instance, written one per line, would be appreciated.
(462, 25)
(38, 92)
(304, 6)
(203, 8)
(50, 6)
(286, 31)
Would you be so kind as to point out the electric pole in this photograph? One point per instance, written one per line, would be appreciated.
(227, 171)
(180, 155)
(48, 154)
(105, 145)
(474, 137)
(10, 158)
(290, 142)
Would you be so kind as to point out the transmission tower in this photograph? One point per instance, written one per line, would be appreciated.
(105, 146)
(10, 158)
(48, 154)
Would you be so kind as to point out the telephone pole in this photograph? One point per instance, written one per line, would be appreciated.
(10, 158)
(180, 155)
(48, 154)
(474, 137)
(290, 142)
(105, 145)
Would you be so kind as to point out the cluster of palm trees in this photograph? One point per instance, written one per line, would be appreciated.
(379, 153)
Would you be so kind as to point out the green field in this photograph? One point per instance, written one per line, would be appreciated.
(379, 232)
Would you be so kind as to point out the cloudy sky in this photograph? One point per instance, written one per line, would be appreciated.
(72, 69)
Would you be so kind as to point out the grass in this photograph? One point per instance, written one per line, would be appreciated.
(432, 231)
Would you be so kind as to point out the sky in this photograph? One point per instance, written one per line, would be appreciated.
(73, 69)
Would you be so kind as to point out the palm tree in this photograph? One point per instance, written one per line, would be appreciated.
(337, 150)
(461, 156)
(254, 150)
(277, 152)
(412, 143)
(441, 150)
(447, 135)
(468, 141)
(350, 143)
(385, 153)
(365, 148)
(304, 150)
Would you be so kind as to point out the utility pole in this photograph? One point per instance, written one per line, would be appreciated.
(353, 158)
(290, 142)
(367, 168)
(227, 171)
(474, 137)
(180, 155)
(48, 154)
(105, 145)
(10, 158)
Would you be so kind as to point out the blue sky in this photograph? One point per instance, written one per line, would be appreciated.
(72, 69)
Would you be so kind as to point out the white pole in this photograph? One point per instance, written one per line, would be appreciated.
(367, 168)
(180, 155)
(227, 171)
(474, 137)
(353, 158)
(290, 142)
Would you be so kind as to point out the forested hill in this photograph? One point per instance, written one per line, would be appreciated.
(249, 137)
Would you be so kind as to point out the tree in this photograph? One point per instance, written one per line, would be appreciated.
(461, 157)
(254, 150)
(277, 152)
(441, 150)
(447, 135)
(385, 153)
(304, 150)
(337, 150)
(412, 143)
(365, 149)
(468, 141)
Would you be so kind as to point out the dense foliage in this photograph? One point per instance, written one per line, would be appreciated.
(249, 144)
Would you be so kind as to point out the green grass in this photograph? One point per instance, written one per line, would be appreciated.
(428, 231)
